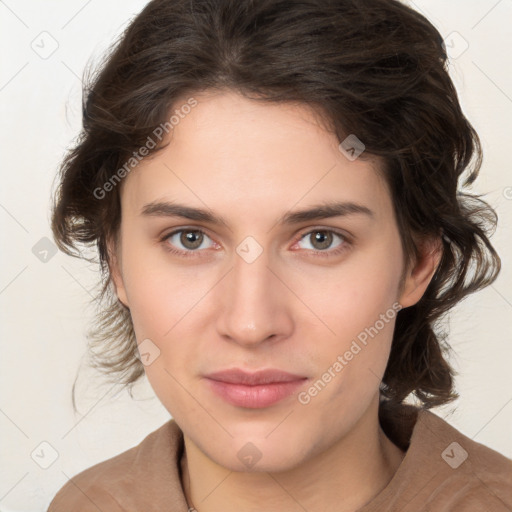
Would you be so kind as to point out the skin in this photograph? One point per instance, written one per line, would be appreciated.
(251, 162)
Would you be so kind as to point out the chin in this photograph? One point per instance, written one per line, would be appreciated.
(272, 460)
(252, 452)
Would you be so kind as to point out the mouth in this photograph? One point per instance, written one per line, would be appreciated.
(254, 390)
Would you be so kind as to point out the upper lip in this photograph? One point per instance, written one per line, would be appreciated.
(238, 376)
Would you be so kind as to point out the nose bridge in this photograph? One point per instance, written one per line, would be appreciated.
(252, 307)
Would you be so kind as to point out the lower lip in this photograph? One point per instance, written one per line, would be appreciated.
(254, 397)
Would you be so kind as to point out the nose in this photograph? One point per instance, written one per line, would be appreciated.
(254, 306)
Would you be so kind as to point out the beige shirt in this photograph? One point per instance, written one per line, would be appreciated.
(442, 471)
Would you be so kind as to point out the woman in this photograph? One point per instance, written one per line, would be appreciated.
(273, 188)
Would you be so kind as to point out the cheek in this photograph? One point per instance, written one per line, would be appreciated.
(357, 303)
(351, 296)
(159, 293)
(162, 300)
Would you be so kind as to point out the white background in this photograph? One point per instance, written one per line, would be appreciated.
(44, 306)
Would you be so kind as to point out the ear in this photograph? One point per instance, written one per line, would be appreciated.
(116, 274)
(420, 274)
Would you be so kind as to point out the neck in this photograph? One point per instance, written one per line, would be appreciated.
(343, 478)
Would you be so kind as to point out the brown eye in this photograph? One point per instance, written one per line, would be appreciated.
(186, 240)
(321, 239)
(191, 239)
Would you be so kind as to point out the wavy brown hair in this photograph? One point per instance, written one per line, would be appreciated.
(374, 68)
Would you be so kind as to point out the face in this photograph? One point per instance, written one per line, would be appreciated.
(254, 286)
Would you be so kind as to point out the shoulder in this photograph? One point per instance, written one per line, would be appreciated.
(121, 482)
(90, 490)
(465, 474)
(443, 469)
(78, 497)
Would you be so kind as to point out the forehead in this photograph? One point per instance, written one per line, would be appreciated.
(245, 155)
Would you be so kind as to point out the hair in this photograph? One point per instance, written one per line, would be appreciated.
(373, 68)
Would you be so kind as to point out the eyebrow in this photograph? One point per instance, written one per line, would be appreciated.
(316, 212)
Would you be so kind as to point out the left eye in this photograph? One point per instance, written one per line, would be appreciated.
(191, 239)
(322, 239)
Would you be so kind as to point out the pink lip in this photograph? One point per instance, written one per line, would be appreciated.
(254, 390)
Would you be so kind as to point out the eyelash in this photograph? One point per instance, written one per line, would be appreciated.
(323, 254)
